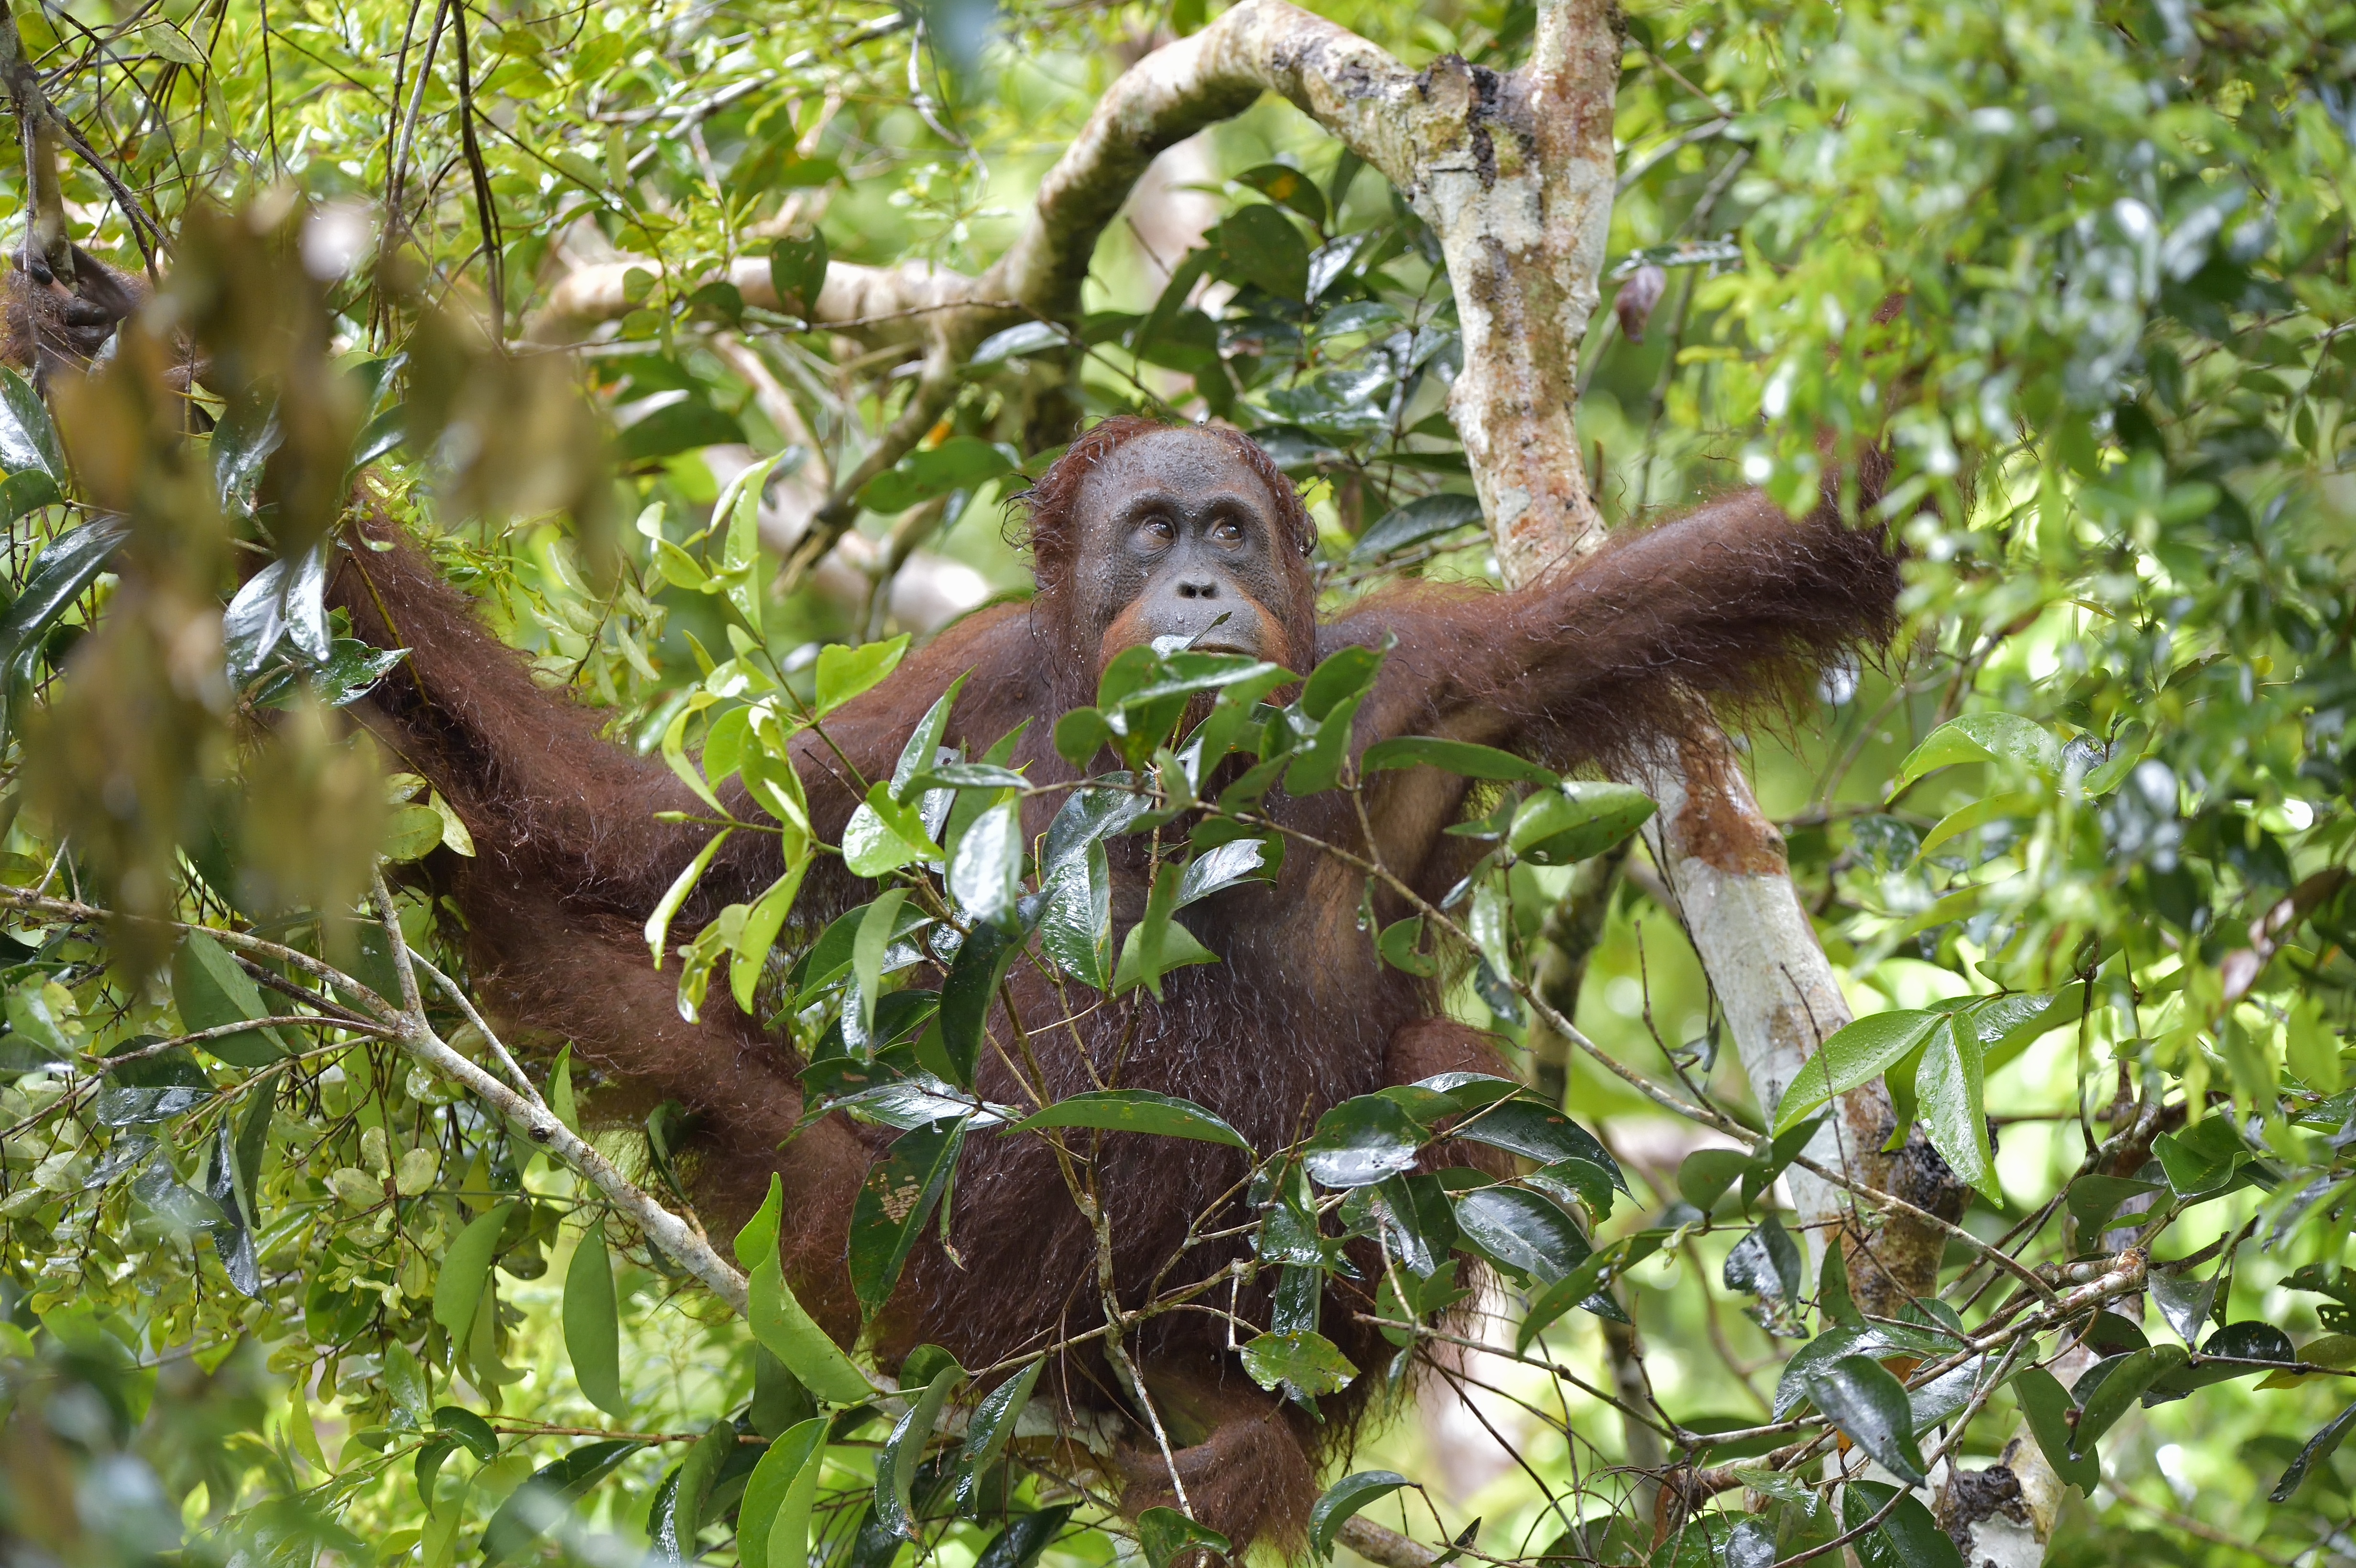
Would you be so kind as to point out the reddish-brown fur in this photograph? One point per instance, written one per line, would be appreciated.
(1732, 602)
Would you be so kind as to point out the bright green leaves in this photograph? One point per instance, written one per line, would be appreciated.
(1989, 736)
(773, 1522)
(1574, 821)
(1157, 944)
(844, 673)
(1302, 1364)
(467, 1270)
(1856, 1053)
(778, 1319)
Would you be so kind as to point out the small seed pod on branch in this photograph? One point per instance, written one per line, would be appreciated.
(1637, 299)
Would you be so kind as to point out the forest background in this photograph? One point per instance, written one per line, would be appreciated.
(548, 273)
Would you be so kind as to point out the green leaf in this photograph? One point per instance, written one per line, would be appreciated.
(657, 930)
(69, 564)
(544, 1500)
(1706, 1174)
(592, 1324)
(759, 933)
(875, 928)
(469, 1429)
(893, 1205)
(986, 1436)
(682, 426)
(1362, 1141)
(2092, 1201)
(1576, 820)
(1024, 337)
(1992, 737)
(1401, 944)
(2048, 1406)
(1158, 943)
(777, 1318)
(968, 994)
(1259, 245)
(1075, 921)
(1523, 1231)
(960, 463)
(2204, 1160)
(1459, 757)
(1163, 1532)
(1855, 1054)
(1342, 1501)
(2109, 1389)
(1027, 1535)
(985, 874)
(676, 1515)
(1909, 1537)
(1949, 1088)
(1282, 183)
(1318, 765)
(2319, 1447)
(1857, 1394)
(904, 1451)
(1306, 1365)
(465, 1269)
(844, 673)
(884, 835)
(1424, 519)
(771, 1533)
(1536, 1131)
(211, 989)
(27, 439)
(1135, 1111)
(798, 271)
(1344, 673)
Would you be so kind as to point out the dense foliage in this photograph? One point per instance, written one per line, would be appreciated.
(281, 1273)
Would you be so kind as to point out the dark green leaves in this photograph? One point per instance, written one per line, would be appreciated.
(1576, 820)
(2109, 1389)
(1907, 1537)
(545, 1499)
(1858, 1395)
(898, 1196)
(1259, 245)
(798, 271)
(1522, 1231)
(1422, 519)
(211, 989)
(27, 439)
(2049, 1408)
(1343, 1499)
(466, 1269)
(1459, 757)
(986, 1435)
(1535, 1131)
(2319, 1447)
(1362, 1141)
(895, 1467)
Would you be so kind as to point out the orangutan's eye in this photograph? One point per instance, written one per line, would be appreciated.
(1228, 532)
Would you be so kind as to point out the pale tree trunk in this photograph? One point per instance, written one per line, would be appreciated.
(1513, 172)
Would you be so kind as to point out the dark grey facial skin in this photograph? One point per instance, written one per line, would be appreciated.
(1176, 531)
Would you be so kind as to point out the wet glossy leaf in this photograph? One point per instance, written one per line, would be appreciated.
(1858, 1395)
(986, 1435)
(1856, 1053)
(1535, 1131)
(1950, 1089)
(2109, 1389)
(1027, 1535)
(27, 439)
(985, 874)
(2047, 1406)
(1523, 1231)
(1343, 1501)
(1363, 1141)
(1304, 1365)
(2319, 1449)
(1576, 820)
(1163, 1532)
(844, 673)
(904, 1450)
(1459, 757)
(1076, 923)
